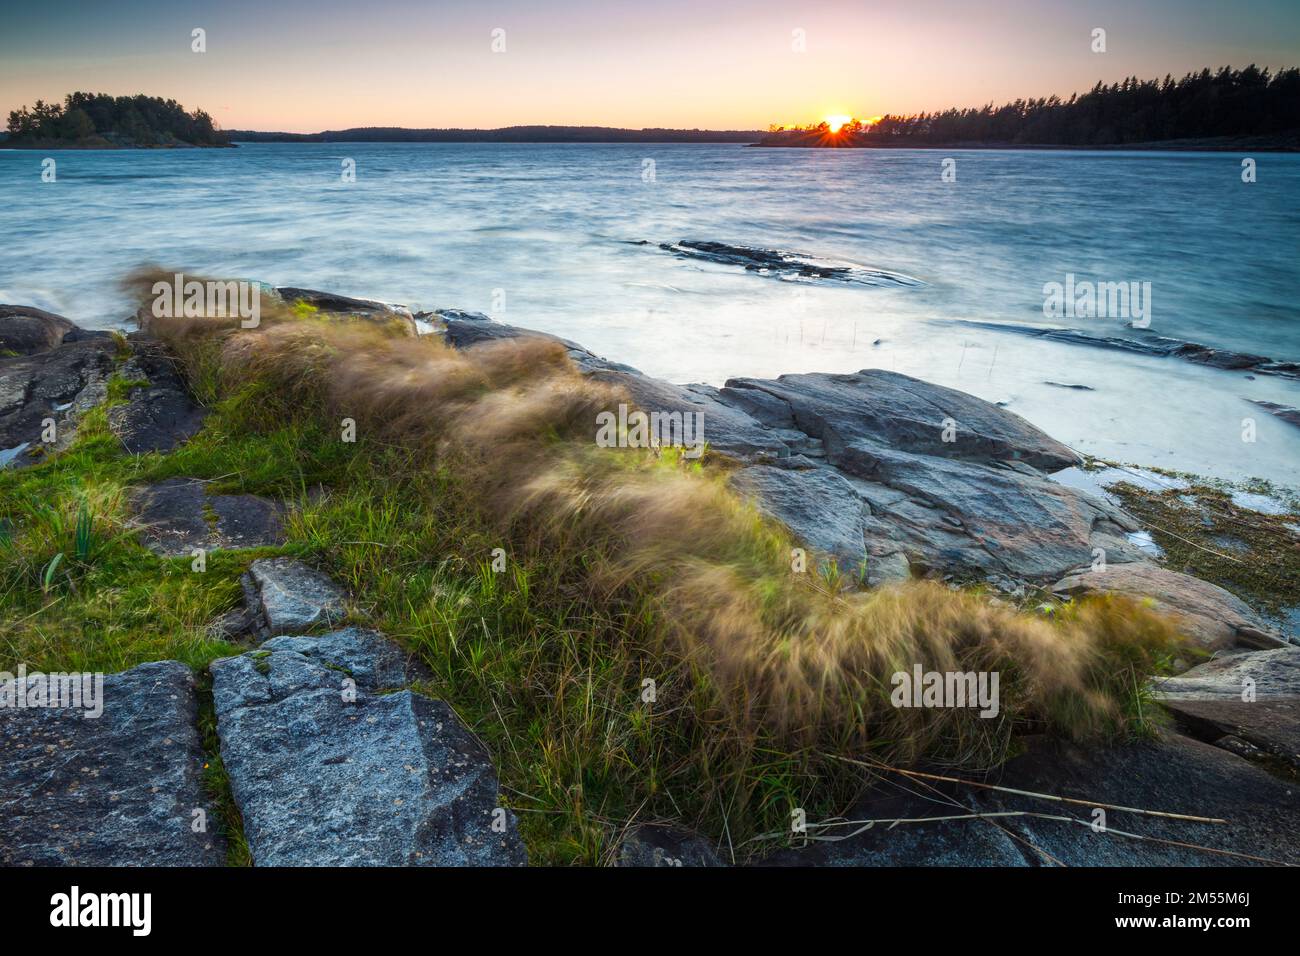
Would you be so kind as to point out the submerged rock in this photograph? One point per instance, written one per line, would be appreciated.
(121, 789)
(1147, 344)
(328, 772)
(1284, 412)
(286, 596)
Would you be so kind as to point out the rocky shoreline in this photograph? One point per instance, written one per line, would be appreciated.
(892, 477)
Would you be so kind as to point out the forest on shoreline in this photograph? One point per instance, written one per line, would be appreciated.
(1205, 105)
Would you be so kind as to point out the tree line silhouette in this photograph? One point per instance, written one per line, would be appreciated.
(1227, 102)
(100, 119)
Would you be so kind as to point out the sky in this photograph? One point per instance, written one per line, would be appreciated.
(308, 65)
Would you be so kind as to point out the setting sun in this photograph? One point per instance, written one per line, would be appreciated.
(836, 123)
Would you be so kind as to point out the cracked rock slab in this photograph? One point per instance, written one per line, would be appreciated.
(1252, 697)
(285, 596)
(1029, 526)
(367, 656)
(121, 789)
(178, 515)
(326, 772)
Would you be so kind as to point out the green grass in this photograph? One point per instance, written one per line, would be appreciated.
(119, 389)
(78, 592)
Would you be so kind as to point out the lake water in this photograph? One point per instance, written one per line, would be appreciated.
(545, 236)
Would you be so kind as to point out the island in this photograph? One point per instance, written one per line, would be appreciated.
(101, 121)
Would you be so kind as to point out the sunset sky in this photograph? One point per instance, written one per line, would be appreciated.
(308, 65)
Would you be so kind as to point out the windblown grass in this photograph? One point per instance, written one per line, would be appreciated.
(623, 566)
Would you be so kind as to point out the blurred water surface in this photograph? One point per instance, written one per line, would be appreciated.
(549, 236)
